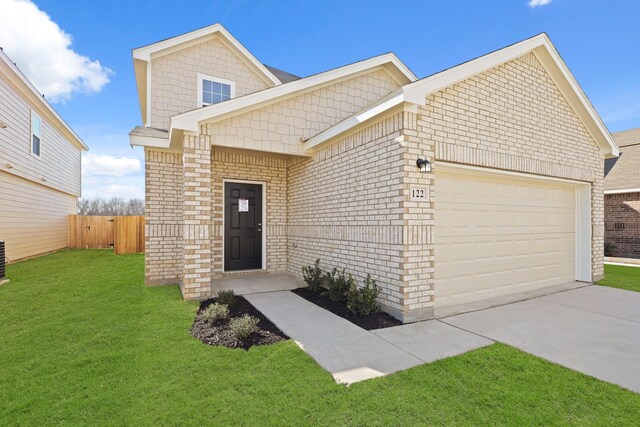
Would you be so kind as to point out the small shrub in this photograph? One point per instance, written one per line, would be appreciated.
(364, 301)
(609, 249)
(215, 312)
(227, 297)
(243, 326)
(339, 285)
(313, 276)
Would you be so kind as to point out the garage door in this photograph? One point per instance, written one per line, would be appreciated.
(498, 234)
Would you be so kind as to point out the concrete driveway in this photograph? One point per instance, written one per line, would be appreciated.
(594, 330)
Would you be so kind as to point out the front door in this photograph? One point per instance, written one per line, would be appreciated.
(242, 226)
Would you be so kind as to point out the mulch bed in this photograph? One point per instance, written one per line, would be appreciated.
(219, 334)
(372, 321)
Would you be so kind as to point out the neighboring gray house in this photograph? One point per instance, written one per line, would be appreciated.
(622, 197)
(39, 168)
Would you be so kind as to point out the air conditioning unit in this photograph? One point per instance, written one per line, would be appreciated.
(2, 260)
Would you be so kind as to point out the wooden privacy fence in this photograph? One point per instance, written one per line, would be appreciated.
(125, 234)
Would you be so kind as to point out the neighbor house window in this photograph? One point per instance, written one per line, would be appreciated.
(212, 90)
(36, 124)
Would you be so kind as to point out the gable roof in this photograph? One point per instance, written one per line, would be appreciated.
(415, 93)
(622, 174)
(142, 57)
(29, 92)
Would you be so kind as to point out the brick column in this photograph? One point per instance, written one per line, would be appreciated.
(418, 220)
(196, 280)
(597, 222)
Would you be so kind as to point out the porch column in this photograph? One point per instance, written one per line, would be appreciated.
(196, 282)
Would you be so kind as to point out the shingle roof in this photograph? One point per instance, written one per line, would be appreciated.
(283, 76)
(624, 172)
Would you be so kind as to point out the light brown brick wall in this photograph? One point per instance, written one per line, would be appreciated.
(622, 224)
(512, 117)
(279, 127)
(163, 217)
(252, 166)
(345, 207)
(174, 78)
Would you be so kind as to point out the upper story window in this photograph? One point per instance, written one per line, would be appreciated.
(212, 90)
(36, 124)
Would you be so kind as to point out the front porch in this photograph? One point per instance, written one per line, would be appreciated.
(256, 283)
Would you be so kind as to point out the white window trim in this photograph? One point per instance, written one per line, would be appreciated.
(202, 77)
(34, 114)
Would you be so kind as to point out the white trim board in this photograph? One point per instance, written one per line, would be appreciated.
(622, 191)
(163, 47)
(264, 221)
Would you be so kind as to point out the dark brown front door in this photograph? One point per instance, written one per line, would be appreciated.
(242, 226)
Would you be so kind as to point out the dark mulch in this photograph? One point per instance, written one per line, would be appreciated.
(372, 321)
(219, 334)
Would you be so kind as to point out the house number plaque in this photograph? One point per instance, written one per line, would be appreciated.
(418, 194)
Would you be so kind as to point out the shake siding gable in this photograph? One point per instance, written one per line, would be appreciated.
(279, 127)
(174, 78)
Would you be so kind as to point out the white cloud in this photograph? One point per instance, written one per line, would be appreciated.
(108, 190)
(106, 165)
(42, 50)
(536, 3)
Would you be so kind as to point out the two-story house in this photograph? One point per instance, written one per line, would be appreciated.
(480, 183)
(39, 168)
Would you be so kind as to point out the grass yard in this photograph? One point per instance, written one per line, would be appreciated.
(619, 276)
(82, 341)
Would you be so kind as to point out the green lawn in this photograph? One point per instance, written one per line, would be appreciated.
(82, 341)
(619, 276)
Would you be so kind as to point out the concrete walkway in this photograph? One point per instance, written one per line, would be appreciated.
(594, 330)
(350, 353)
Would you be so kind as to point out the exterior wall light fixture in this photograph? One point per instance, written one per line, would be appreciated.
(424, 165)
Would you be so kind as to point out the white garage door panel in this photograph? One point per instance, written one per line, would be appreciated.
(496, 235)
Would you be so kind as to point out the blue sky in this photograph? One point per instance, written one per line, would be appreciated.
(599, 41)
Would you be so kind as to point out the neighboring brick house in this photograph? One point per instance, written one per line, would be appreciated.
(250, 169)
(622, 197)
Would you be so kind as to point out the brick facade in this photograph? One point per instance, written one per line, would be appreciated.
(622, 226)
(164, 205)
(345, 208)
(348, 203)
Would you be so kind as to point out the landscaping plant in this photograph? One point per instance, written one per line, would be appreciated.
(312, 275)
(243, 326)
(609, 248)
(364, 301)
(227, 297)
(215, 312)
(339, 285)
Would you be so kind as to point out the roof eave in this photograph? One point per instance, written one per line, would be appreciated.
(30, 91)
(416, 92)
